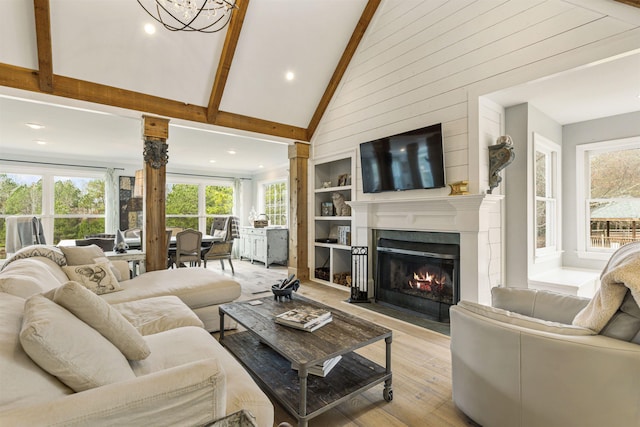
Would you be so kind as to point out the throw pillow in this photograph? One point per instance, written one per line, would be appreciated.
(220, 233)
(97, 313)
(68, 348)
(112, 267)
(95, 277)
(80, 255)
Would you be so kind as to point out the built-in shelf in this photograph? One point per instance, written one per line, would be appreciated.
(332, 261)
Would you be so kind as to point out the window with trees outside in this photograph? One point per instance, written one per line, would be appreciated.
(194, 205)
(547, 193)
(275, 202)
(70, 206)
(608, 194)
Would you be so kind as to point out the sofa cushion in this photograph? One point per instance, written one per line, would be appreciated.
(524, 321)
(68, 348)
(196, 287)
(97, 313)
(26, 277)
(95, 277)
(113, 268)
(625, 323)
(544, 305)
(22, 381)
(53, 253)
(153, 315)
(80, 255)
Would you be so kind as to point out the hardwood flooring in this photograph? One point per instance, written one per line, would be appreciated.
(421, 365)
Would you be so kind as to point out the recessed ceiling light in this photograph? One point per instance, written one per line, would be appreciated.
(289, 75)
(40, 142)
(149, 29)
(212, 161)
(35, 126)
(261, 166)
(231, 152)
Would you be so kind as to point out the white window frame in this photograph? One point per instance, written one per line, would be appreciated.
(48, 175)
(553, 181)
(583, 191)
(201, 183)
(262, 193)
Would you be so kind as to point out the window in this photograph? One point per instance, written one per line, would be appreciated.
(608, 195)
(69, 205)
(275, 202)
(547, 189)
(193, 205)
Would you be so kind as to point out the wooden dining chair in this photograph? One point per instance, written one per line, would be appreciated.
(220, 250)
(188, 244)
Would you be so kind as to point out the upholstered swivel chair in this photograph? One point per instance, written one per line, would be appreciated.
(188, 246)
(220, 250)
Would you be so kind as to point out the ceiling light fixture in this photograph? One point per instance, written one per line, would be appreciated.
(40, 142)
(149, 29)
(290, 76)
(231, 152)
(35, 126)
(205, 16)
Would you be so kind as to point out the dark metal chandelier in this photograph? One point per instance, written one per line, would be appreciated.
(205, 16)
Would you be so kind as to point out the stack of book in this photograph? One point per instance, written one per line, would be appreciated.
(322, 369)
(307, 319)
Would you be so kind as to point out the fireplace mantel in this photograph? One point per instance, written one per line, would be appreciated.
(472, 216)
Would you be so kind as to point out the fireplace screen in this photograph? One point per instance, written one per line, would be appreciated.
(417, 276)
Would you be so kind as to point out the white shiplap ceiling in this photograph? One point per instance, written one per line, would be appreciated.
(103, 42)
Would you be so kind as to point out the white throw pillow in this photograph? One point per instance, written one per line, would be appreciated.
(98, 314)
(80, 255)
(112, 267)
(68, 348)
(95, 277)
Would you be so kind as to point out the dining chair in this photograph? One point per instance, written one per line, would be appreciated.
(188, 244)
(220, 250)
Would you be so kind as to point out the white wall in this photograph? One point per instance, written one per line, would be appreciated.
(422, 63)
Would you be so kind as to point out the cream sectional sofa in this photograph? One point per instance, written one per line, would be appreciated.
(39, 268)
(62, 364)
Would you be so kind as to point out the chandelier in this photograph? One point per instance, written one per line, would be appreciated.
(205, 16)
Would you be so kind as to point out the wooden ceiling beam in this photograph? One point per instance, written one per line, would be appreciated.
(43, 39)
(226, 58)
(635, 3)
(365, 19)
(252, 124)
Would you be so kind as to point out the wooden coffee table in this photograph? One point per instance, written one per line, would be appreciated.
(267, 349)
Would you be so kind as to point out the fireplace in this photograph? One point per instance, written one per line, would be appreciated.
(418, 271)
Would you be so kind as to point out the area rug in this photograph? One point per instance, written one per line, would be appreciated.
(255, 279)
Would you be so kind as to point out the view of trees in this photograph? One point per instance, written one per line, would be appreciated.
(79, 204)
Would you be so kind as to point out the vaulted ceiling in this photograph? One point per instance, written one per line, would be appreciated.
(71, 51)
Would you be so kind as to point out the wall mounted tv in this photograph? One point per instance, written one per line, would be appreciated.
(407, 161)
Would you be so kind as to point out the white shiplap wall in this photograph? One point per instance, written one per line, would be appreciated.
(423, 62)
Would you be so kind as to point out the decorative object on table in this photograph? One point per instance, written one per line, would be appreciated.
(342, 179)
(120, 245)
(342, 208)
(326, 184)
(326, 209)
(205, 16)
(261, 222)
(306, 319)
(500, 156)
(459, 188)
(253, 215)
(283, 288)
(359, 274)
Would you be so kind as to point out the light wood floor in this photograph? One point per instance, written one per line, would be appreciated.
(421, 365)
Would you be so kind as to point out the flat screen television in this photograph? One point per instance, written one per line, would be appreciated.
(407, 161)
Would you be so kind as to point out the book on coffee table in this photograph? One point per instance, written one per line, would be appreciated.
(308, 319)
(322, 369)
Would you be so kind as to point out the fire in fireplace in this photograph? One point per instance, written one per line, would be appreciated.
(418, 276)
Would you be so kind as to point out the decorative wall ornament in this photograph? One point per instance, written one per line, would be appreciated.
(459, 188)
(500, 156)
(155, 153)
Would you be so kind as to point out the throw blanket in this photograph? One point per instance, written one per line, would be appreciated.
(622, 272)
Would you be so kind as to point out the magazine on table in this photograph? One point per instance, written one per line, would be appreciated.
(304, 318)
(322, 369)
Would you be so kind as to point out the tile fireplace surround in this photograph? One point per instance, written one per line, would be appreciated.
(476, 218)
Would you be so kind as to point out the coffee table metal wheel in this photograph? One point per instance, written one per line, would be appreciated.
(387, 394)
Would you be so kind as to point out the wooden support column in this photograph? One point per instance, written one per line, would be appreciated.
(298, 217)
(155, 132)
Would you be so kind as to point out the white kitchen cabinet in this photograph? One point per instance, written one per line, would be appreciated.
(266, 245)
